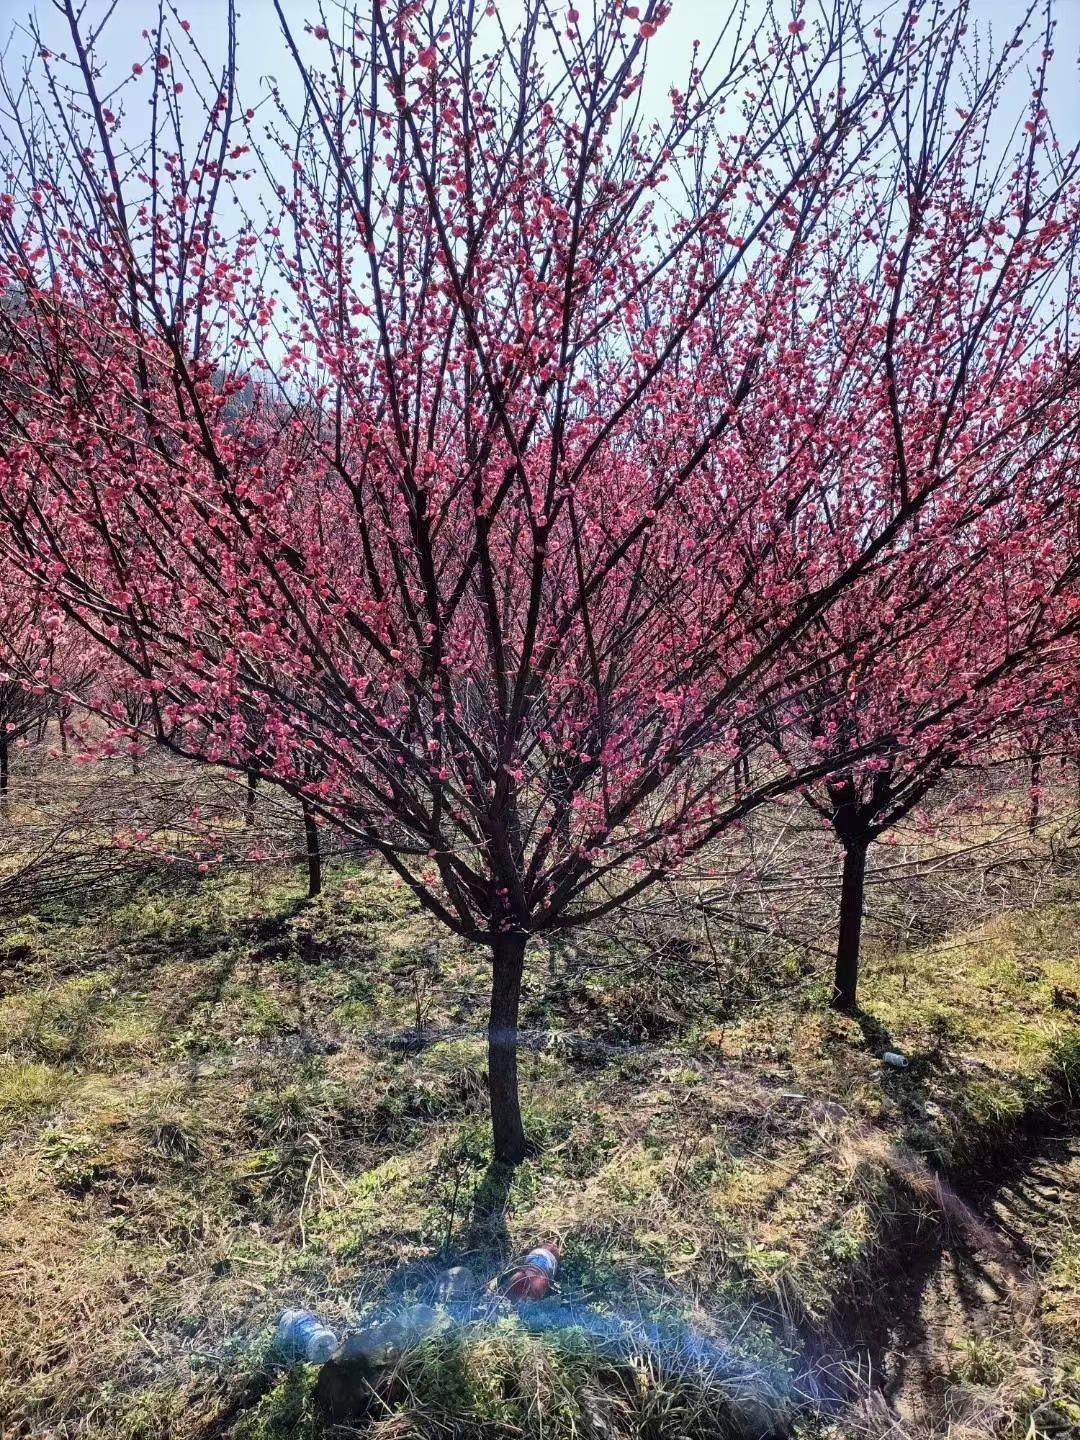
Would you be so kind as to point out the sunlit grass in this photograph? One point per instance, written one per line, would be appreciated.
(204, 1124)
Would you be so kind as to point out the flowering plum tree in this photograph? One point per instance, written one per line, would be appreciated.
(24, 702)
(536, 480)
(40, 664)
(935, 660)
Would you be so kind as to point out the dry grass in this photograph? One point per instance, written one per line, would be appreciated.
(204, 1117)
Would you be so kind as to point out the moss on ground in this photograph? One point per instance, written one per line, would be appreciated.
(217, 1103)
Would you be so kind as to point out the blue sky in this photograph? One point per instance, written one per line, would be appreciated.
(262, 51)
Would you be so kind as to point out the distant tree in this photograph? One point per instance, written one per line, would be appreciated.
(1045, 734)
(1033, 745)
(533, 489)
(939, 659)
(125, 704)
(40, 660)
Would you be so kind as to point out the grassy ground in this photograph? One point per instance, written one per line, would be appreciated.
(211, 1108)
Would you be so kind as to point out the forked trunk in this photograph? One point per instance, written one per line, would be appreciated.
(314, 853)
(845, 986)
(507, 967)
(3, 777)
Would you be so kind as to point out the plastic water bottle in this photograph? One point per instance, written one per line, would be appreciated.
(457, 1286)
(303, 1336)
(532, 1279)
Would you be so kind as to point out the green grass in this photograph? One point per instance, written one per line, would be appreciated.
(202, 1123)
(29, 1089)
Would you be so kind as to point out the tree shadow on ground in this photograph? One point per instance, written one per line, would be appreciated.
(955, 1273)
(243, 1397)
(875, 1034)
(486, 1232)
(948, 1288)
(480, 1242)
(208, 992)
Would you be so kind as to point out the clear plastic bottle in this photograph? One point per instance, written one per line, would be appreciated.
(301, 1335)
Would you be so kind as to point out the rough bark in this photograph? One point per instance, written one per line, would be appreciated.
(508, 964)
(3, 777)
(846, 982)
(314, 853)
(249, 802)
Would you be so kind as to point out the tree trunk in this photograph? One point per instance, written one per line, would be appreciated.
(3, 777)
(508, 964)
(314, 854)
(249, 802)
(851, 913)
(561, 788)
(742, 772)
(61, 720)
(1033, 811)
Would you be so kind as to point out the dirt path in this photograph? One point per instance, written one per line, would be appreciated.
(977, 1313)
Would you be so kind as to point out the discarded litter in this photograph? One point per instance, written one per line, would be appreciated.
(896, 1060)
(456, 1286)
(301, 1335)
(532, 1279)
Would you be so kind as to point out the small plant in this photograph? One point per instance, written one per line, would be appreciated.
(286, 1413)
(979, 1362)
(74, 1159)
(419, 974)
(1066, 1059)
(458, 1168)
(27, 1088)
(175, 1139)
